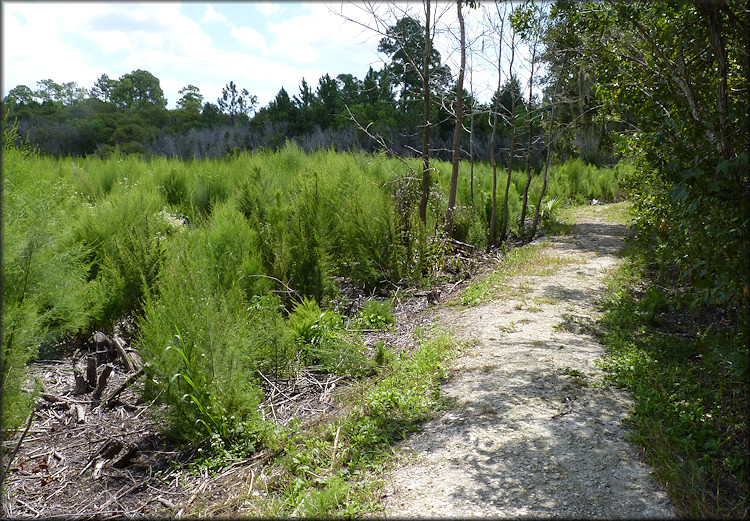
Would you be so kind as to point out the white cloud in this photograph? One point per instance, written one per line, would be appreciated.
(321, 34)
(39, 52)
(250, 38)
(212, 16)
(80, 41)
(267, 8)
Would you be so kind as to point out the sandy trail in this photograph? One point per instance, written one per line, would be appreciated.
(535, 432)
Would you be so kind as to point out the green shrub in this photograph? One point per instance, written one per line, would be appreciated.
(690, 386)
(323, 341)
(122, 235)
(376, 314)
(579, 182)
(175, 188)
(207, 374)
(45, 293)
(86, 242)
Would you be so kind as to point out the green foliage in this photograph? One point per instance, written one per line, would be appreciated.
(405, 395)
(323, 341)
(578, 182)
(383, 356)
(219, 249)
(376, 314)
(325, 470)
(123, 240)
(207, 375)
(45, 292)
(686, 134)
(690, 383)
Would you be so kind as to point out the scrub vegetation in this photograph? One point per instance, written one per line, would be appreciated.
(226, 268)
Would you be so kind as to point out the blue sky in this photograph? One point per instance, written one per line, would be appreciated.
(260, 46)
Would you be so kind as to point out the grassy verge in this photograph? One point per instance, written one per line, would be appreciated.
(688, 371)
(528, 260)
(616, 213)
(331, 469)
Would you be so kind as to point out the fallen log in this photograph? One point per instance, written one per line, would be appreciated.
(53, 398)
(119, 344)
(468, 248)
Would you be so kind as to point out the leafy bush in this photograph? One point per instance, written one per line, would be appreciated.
(205, 347)
(122, 237)
(690, 384)
(376, 314)
(323, 341)
(45, 293)
(87, 242)
(576, 181)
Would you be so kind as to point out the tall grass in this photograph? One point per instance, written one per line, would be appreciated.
(212, 259)
(45, 292)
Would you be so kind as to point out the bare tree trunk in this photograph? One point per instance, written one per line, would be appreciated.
(471, 148)
(459, 127)
(528, 146)
(491, 239)
(504, 229)
(426, 130)
(471, 130)
(710, 11)
(550, 143)
(493, 141)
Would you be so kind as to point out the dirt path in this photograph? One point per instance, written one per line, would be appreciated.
(536, 432)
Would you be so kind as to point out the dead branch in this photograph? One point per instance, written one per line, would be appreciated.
(112, 398)
(380, 141)
(468, 248)
(103, 380)
(18, 445)
(119, 345)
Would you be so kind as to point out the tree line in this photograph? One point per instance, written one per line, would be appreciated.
(664, 85)
(129, 113)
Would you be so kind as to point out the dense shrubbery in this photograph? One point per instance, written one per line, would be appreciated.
(226, 267)
(687, 367)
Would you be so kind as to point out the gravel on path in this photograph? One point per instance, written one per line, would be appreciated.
(536, 432)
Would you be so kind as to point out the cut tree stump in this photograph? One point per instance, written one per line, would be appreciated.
(123, 459)
(81, 387)
(110, 449)
(91, 376)
(103, 378)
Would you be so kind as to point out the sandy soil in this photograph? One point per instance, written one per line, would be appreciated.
(536, 431)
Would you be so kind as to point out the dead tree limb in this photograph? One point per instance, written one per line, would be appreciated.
(119, 345)
(18, 445)
(103, 380)
(112, 398)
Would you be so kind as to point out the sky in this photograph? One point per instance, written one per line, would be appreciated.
(260, 46)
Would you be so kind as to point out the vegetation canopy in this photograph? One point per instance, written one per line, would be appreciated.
(223, 238)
